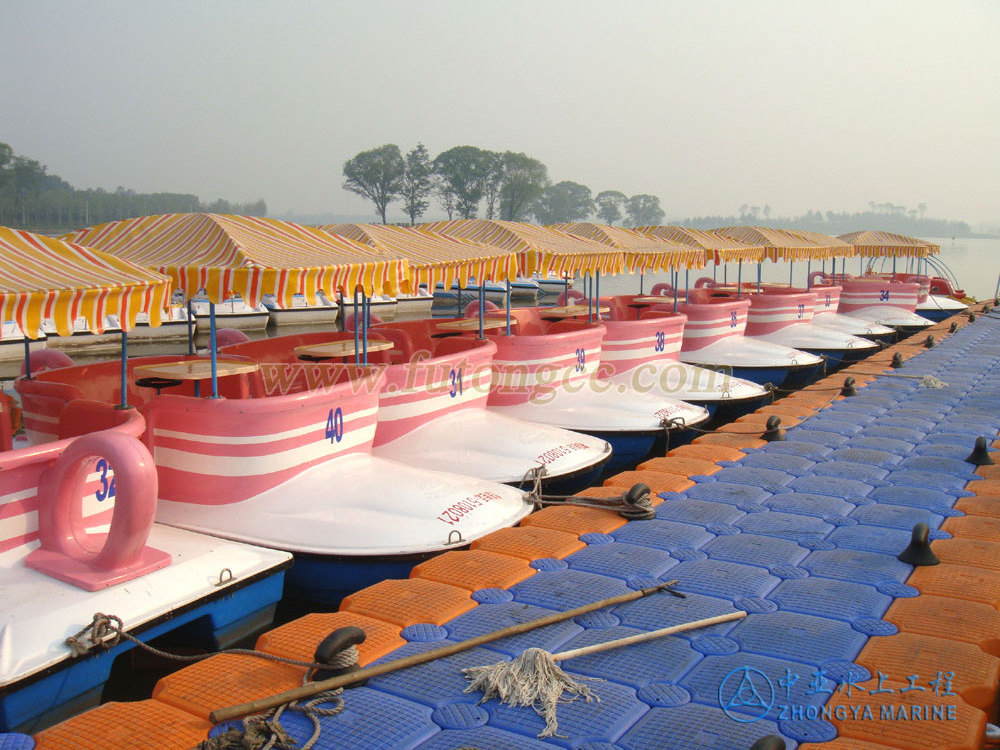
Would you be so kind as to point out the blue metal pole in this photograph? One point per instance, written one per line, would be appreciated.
(739, 280)
(675, 284)
(758, 277)
(357, 325)
(482, 306)
(124, 403)
(791, 266)
(190, 328)
(214, 355)
(640, 283)
(508, 307)
(809, 273)
(687, 286)
(597, 295)
(365, 309)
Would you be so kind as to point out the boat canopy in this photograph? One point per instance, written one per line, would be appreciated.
(433, 257)
(44, 277)
(788, 245)
(718, 248)
(246, 255)
(889, 245)
(539, 249)
(643, 252)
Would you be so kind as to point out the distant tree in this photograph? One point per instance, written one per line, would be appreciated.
(416, 184)
(376, 175)
(644, 210)
(445, 195)
(493, 184)
(524, 179)
(610, 206)
(743, 210)
(564, 201)
(767, 211)
(922, 208)
(464, 169)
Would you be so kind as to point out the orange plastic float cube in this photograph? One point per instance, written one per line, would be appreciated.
(577, 520)
(141, 725)
(298, 639)
(956, 619)
(530, 542)
(410, 601)
(657, 482)
(474, 569)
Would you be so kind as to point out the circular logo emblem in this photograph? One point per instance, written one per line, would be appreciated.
(746, 694)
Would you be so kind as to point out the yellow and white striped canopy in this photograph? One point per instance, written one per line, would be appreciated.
(718, 247)
(434, 257)
(249, 256)
(44, 277)
(889, 245)
(789, 245)
(539, 249)
(643, 252)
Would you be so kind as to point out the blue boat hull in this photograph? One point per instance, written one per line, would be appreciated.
(78, 684)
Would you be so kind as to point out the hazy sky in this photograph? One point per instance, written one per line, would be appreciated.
(709, 105)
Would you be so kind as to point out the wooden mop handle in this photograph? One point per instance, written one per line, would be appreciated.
(312, 688)
(639, 638)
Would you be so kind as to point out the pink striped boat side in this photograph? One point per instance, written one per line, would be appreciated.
(861, 293)
(631, 343)
(827, 299)
(773, 311)
(709, 323)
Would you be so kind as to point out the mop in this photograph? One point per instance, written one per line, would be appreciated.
(534, 679)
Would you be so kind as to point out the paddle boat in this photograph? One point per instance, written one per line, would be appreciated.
(714, 337)
(173, 325)
(825, 315)
(432, 404)
(232, 312)
(282, 460)
(783, 315)
(552, 283)
(548, 371)
(885, 302)
(77, 538)
(301, 312)
(641, 350)
(414, 306)
(451, 301)
(931, 304)
(524, 289)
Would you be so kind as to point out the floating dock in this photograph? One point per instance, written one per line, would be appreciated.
(845, 647)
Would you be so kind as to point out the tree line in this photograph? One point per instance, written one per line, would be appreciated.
(888, 217)
(466, 180)
(31, 198)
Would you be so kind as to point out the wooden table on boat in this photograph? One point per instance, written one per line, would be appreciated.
(570, 311)
(343, 348)
(194, 369)
(470, 324)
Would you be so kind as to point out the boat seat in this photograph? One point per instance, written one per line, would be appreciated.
(82, 416)
(454, 345)
(570, 324)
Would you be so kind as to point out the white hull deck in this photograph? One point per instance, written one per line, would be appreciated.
(484, 444)
(744, 351)
(688, 382)
(39, 612)
(850, 324)
(359, 506)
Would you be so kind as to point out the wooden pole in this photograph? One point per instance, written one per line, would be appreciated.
(305, 691)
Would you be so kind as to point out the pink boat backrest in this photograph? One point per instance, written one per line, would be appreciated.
(862, 292)
(57, 501)
(778, 308)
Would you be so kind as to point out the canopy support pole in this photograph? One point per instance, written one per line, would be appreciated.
(640, 283)
(597, 296)
(791, 267)
(588, 287)
(213, 354)
(357, 333)
(687, 285)
(676, 283)
(124, 401)
(758, 276)
(739, 279)
(809, 274)
(27, 357)
(482, 306)
(190, 327)
(508, 307)
(365, 312)
(894, 266)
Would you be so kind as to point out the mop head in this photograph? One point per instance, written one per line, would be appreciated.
(929, 381)
(532, 679)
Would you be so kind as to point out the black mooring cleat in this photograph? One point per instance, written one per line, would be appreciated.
(772, 430)
(849, 389)
(897, 361)
(919, 551)
(338, 641)
(770, 742)
(929, 341)
(980, 455)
